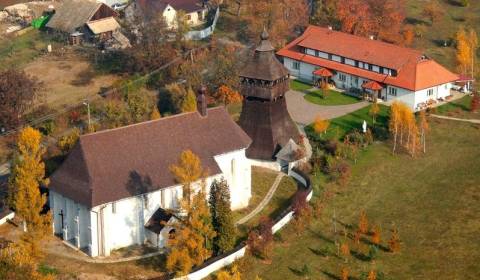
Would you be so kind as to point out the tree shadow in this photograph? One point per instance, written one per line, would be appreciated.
(360, 256)
(370, 243)
(414, 21)
(323, 237)
(331, 275)
(137, 184)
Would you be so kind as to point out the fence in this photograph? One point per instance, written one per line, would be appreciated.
(228, 258)
(204, 33)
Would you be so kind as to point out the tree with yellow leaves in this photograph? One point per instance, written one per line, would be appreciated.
(320, 125)
(344, 273)
(193, 232)
(394, 242)
(374, 110)
(403, 128)
(155, 114)
(372, 275)
(17, 262)
(233, 274)
(187, 171)
(66, 142)
(28, 172)
(463, 51)
(189, 103)
(394, 123)
(376, 238)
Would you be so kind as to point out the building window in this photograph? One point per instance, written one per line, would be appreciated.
(356, 81)
(342, 60)
(329, 57)
(392, 91)
(296, 65)
(189, 17)
(356, 63)
(342, 77)
(114, 208)
(430, 92)
(317, 53)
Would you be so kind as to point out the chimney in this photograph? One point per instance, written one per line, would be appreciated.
(202, 101)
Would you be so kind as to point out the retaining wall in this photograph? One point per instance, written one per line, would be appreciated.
(217, 263)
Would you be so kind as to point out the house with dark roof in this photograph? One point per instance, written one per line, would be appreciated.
(115, 188)
(144, 10)
(357, 64)
(84, 20)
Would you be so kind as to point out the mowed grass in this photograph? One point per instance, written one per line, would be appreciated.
(299, 85)
(342, 125)
(433, 200)
(459, 108)
(332, 98)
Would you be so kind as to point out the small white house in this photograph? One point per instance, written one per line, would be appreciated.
(115, 188)
(195, 11)
(351, 61)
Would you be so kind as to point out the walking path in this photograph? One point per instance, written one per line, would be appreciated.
(304, 112)
(264, 202)
(456, 119)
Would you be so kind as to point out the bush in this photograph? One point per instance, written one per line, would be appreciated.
(331, 147)
(47, 128)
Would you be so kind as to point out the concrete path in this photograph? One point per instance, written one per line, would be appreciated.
(456, 119)
(304, 112)
(264, 202)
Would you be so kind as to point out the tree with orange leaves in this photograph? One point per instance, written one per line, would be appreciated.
(228, 95)
(394, 242)
(463, 51)
(320, 125)
(433, 11)
(281, 18)
(363, 222)
(344, 273)
(408, 36)
(372, 275)
(376, 235)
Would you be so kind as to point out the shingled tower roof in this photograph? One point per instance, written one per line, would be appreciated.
(263, 65)
(264, 82)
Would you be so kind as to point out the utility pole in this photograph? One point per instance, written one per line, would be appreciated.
(86, 103)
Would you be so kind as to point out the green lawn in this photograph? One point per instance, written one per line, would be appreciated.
(342, 125)
(459, 108)
(18, 51)
(331, 99)
(433, 200)
(299, 85)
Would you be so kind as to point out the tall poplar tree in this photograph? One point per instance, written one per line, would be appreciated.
(28, 172)
(222, 218)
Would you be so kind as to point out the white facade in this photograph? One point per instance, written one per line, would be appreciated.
(170, 16)
(304, 71)
(114, 225)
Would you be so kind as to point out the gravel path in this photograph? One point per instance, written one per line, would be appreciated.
(304, 112)
(264, 202)
(456, 119)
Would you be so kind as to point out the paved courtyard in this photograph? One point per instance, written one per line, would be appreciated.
(304, 112)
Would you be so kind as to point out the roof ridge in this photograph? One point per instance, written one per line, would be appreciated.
(147, 122)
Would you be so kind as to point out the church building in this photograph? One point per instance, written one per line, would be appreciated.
(115, 187)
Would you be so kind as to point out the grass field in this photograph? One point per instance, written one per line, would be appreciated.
(459, 108)
(299, 86)
(332, 98)
(433, 201)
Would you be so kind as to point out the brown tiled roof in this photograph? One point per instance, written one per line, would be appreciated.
(414, 71)
(119, 163)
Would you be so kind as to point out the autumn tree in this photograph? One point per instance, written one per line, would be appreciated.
(394, 242)
(323, 12)
(394, 123)
(382, 19)
(464, 52)
(372, 275)
(281, 18)
(155, 114)
(18, 93)
(363, 222)
(222, 218)
(227, 96)
(344, 273)
(303, 212)
(408, 36)
(189, 103)
(320, 125)
(225, 67)
(433, 11)
(374, 110)
(194, 231)
(115, 113)
(260, 241)
(67, 142)
(424, 127)
(138, 105)
(18, 262)
(232, 274)
(28, 172)
(376, 235)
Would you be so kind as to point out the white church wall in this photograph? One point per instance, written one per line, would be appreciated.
(236, 169)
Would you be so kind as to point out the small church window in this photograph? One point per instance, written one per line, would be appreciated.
(296, 65)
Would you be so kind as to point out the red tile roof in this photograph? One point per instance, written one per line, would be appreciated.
(414, 71)
(114, 164)
(372, 85)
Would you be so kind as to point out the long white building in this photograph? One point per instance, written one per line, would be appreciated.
(115, 188)
(403, 74)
